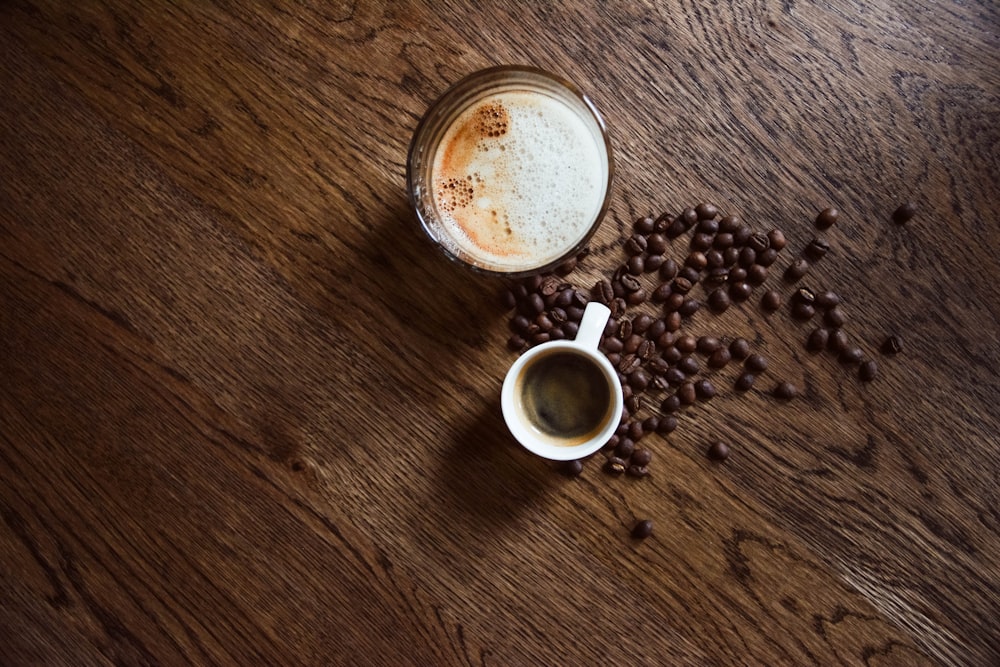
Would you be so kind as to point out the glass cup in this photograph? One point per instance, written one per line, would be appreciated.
(562, 400)
(510, 171)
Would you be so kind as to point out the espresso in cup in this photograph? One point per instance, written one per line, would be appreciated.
(510, 171)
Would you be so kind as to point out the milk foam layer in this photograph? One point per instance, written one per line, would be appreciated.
(519, 179)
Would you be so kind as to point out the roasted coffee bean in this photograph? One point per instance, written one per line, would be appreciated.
(689, 365)
(671, 404)
(674, 301)
(744, 381)
(818, 339)
(729, 224)
(681, 285)
(704, 389)
(817, 249)
(646, 349)
(674, 377)
(805, 295)
(661, 293)
(557, 333)
(701, 241)
(716, 276)
(625, 448)
(653, 262)
(748, 256)
(739, 348)
(614, 357)
(673, 321)
(713, 259)
(827, 299)
(632, 343)
(756, 363)
(657, 244)
(519, 323)
(674, 229)
(696, 260)
(658, 366)
(642, 529)
(742, 235)
(687, 394)
(718, 300)
(637, 297)
(665, 339)
(851, 355)
(759, 243)
(834, 317)
(635, 245)
(722, 241)
(668, 270)
(798, 268)
(802, 310)
(549, 286)
(657, 327)
(689, 217)
(718, 451)
(641, 323)
(636, 265)
(689, 307)
(777, 239)
(565, 298)
(767, 257)
(838, 341)
(532, 283)
(904, 213)
(574, 314)
(827, 218)
(707, 226)
(516, 343)
(603, 292)
(705, 211)
(737, 274)
(662, 222)
(672, 355)
(642, 456)
(720, 357)
(558, 315)
(617, 307)
(867, 371)
(756, 274)
(730, 256)
(636, 431)
(708, 344)
(614, 465)
(540, 337)
(892, 345)
(740, 291)
(534, 304)
(508, 300)
(629, 363)
(686, 343)
(633, 404)
(785, 391)
(689, 274)
(636, 471)
(667, 425)
(572, 468)
(644, 225)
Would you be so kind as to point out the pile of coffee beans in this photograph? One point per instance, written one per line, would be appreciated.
(653, 293)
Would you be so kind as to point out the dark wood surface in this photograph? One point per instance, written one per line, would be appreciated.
(248, 415)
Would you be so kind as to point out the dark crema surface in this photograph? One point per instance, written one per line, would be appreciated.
(565, 396)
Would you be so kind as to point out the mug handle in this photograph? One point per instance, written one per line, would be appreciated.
(595, 318)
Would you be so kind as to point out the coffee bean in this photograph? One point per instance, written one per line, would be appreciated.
(671, 404)
(745, 381)
(737, 274)
(904, 213)
(756, 274)
(642, 529)
(667, 425)
(771, 300)
(767, 257)
(777, 239)
(718, 451)
(827, 218)
(632, 343)
(557, 333)
(674, 377)
(642, 457)
(704, 389)
(646, 349)
(614, 465)
(689, 307)
(729, 224)
(565, 298)
(851, 355)
(572, 468)
(534, 304)
(649, 425)
(673, 321)
(516, 343)
(759, 243)
(718, 300)
(668, 270)
(696, 260)
(722, 241)
(639, 379)
(785, 391)
(617, 307)
(708, 344)
(689, 274)
(674, 229)
(658, 366)
(834, 317)
(827, 299)
(665, 339)
(636, 431)
(838, 341)
(701, 241)
(636, 471)
(805, 295)
(636, 265)
(689, 365)
(686, 343)
(661, 293)
(663, 222)
(707, 226)
(681, 285)
(674, 301)
(730, 256)
(748, 256)
(796, 270)
(625, 448)
(716, 276)
(720, 358)
(615, 358)
(756, 363)
(741, 235)
(602, 291)
(635, 245)
(740, 291)
(802, 310)
(540, 337)
(629, 363)
(817, 249)
(706, 211)
(633, 404)
(817, 339)
(739, 348)
(867, 371)
(508, 300)
(687, 394)
(672, 355)
(656, 328)
(653, 262)
(644, 225)
(637, 297)
(657, 244)
(892, 345)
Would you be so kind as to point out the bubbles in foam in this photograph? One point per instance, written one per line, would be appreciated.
(540, 173)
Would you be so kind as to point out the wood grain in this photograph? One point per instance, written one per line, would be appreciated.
(248, 415)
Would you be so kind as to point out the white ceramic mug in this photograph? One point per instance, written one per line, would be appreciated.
(562, 400)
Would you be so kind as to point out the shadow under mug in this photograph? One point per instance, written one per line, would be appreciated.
(563, 400)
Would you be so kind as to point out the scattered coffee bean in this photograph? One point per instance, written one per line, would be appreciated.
(818, 339)
(740, 291)
(673, 321)
(737, 274)
(730, 256)
(687, 394)
(704, 389)
(817, 249)
(739, 348)
(802, 310)
(756, 363)
(827, 218)
(867, 371)
(615, 465)
(657, 244)
(759, 243)
(771, 300)
(892, 345)
(851, 355)
(642, 529)
(689, 365)
(708, 344)
(777, 239)
(722, 241)
(834, 317)
(686, 343)
(516, 343)
(707, 226)
(785, 391)
(718, 451)
(706, 211)
(681, 285)
(675, 377)
(714, 259)
(718, 300)
(701, 241)
(720, 358)
(603, 292)
(747, 258)
(636, 471)
(741, 235)
(696, 260)
(668, 270)
(796, 270)
(689, 307)
(668, 424)
(653, 263)
(838, 341)
(644, 225)
(572, 468)
(671, 404)
(625, 448)
(756, 274)
(729, 224)
(636, 266)
(767, 257)
(745, 381)
(827, 299)
(689, 274)
(904, 213)
(642, 457)
(636, 245)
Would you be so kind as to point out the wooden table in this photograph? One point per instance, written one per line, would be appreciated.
(249, 415)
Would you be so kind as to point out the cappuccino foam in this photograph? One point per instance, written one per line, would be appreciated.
(519, 178)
